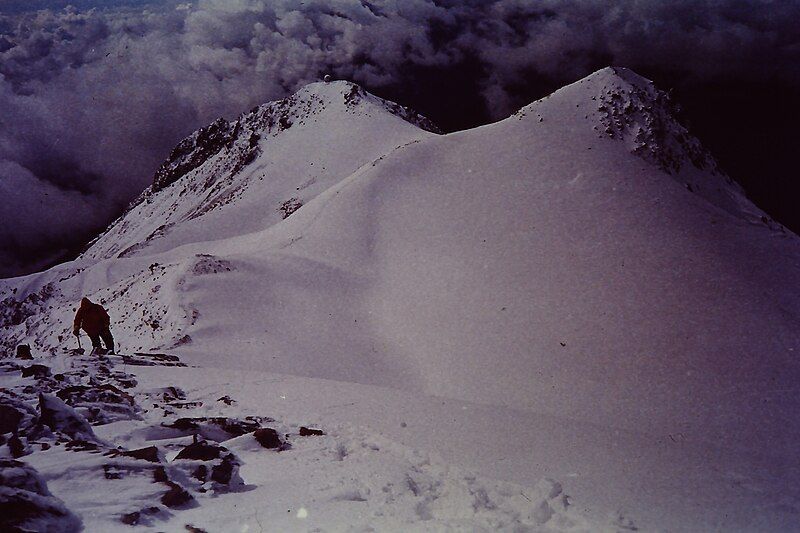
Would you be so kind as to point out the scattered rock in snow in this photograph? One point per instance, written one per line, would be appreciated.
(306, 432)
(289, 206)
(217, 429)
(208, 264)
(100, 403)
(151, 359)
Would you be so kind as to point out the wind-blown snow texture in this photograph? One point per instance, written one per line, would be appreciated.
(576, 292)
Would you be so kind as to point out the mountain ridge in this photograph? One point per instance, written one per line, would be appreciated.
(208, 165)
(539, 267)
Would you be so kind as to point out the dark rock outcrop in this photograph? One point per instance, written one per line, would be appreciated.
(193, 151)
(36, 371)
(24, 352)
(201, 451)
(10, 418)
(269, 438)
(217, 429)
(176, 496)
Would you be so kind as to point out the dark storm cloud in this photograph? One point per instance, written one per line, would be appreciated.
(93, 97)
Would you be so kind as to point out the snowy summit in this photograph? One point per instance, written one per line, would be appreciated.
(567, 320)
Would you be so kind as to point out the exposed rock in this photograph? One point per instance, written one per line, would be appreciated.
(227, 471)
(18, 475)
(201, 451)
(227, 400)
(80, 445)
(105, 393)
(36, 371)
(17, 447)
(27, 505)
(62, 418)
(112, 472)
(268, 438)
(141, 517)
(201, 473)
(193, 151)
(10, 417)
(217, 429)
(176, 496)
(171, 394)
(306, 432)
(25, 511)
(100, 403)
(289, 206)
(131, 519)
(145, 454)
(24, 352)
(151, 359)
(160, 475)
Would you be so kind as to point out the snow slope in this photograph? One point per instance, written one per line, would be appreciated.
(580, 271)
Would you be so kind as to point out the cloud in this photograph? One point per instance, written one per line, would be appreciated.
(93, 97)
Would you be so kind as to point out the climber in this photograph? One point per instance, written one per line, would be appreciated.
(94, 320)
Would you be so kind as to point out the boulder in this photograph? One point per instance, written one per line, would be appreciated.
(306, 432)
(176, 496)
(268, 438)
(24, 352)
(18, 475)
(27, 505)
(201, 451)
(10, 418)
(17, 447)
(62, 418)
(36, 371)
(227, 471)
(145, 454)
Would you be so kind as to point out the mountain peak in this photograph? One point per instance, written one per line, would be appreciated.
(621, 76)
(628, 107)
(241, 137)
(631, 108)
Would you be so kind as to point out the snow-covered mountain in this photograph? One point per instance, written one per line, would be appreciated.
(247, 174)
(576, 292)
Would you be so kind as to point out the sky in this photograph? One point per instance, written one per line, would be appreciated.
(95, 94)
